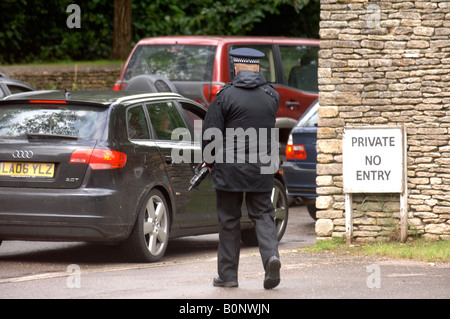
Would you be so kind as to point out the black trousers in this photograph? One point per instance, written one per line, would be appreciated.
(261, 211)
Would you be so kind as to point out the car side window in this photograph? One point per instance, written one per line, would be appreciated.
(17, 89)
(195, 116)
(137, 124)
(165, 119)
(300, 63)
(267, 64)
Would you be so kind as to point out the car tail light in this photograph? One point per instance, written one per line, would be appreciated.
(118, 86)
(48, 101)
(99, 158)
(295, 151)
(210, 91)
(81, 156)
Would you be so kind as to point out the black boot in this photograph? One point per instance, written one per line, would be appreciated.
(272, 278)
(218, 282)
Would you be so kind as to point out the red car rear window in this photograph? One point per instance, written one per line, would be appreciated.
(173, 62)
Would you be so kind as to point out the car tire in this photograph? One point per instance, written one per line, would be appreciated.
(280, 203)
(150, 235)
(312, 210)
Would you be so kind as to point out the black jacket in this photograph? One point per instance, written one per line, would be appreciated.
(243, 111)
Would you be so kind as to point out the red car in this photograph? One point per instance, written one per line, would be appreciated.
(198, 66)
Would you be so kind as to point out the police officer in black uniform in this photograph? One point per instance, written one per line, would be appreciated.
(247, 104)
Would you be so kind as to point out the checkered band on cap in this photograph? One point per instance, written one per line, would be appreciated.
(245, 60)
(246, 55)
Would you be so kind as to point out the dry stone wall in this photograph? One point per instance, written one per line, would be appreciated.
(60, 77)
(386, 62)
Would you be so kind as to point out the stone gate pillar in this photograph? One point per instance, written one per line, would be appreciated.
(385, 62)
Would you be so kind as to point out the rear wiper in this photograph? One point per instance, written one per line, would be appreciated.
(46, 136)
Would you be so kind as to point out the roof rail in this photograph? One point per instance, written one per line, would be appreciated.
(147, 95)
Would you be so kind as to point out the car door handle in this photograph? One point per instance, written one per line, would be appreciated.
(292, 104)
(168, 159)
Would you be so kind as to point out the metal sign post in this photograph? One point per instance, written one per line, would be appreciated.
(374, 161)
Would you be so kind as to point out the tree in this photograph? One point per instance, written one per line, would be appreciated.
(37, 31)
(122, 30)
(225, 17)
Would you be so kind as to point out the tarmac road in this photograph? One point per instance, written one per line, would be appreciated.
(78, 270)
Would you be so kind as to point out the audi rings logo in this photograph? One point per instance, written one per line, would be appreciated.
(22, 154)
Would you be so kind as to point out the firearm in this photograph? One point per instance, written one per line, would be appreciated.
(200, 172)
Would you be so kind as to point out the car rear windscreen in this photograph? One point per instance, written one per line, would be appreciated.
(24, 121)
(173, 62)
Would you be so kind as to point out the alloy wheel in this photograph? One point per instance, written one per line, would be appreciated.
(280, 203)
(156, 225)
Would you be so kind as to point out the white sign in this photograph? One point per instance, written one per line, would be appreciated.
(373, 159)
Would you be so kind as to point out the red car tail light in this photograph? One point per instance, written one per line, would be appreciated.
(48, 101)
(81, 156)
(118, 86)
(99, 158)
(295, 151)
(210, 91)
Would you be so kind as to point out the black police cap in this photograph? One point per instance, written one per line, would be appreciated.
(246, 55)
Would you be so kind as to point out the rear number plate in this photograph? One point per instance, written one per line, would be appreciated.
(15, 169)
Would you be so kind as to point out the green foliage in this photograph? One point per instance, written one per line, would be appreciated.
(36, 30)
(419, 249)
(327, 245)
(211, 17)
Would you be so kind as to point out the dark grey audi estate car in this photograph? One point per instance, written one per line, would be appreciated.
(99, 167)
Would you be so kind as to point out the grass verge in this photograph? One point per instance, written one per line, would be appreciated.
(419, 249)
